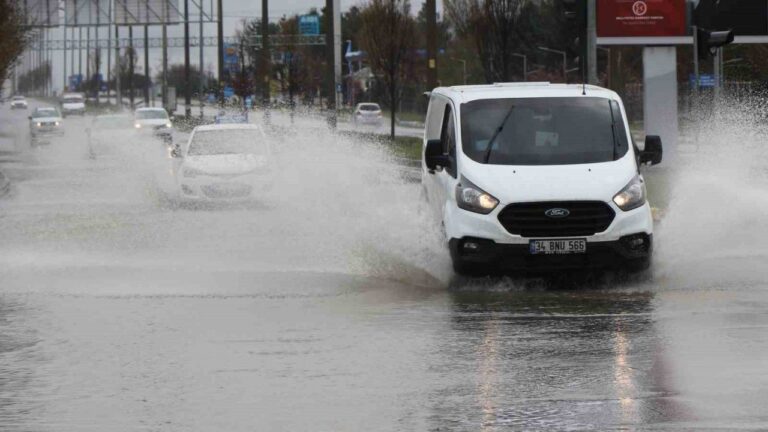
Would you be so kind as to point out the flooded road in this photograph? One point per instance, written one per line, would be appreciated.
(330, 306)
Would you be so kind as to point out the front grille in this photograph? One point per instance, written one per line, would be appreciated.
(226, 190)
(585, 218)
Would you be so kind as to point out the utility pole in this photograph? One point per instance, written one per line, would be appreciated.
(131, 66)
(200, 83)
(187, 83)
(266, 58)
(591, 42)
(329, 68)
(109, 52)
(80, 52)
(72, 55)
(147, 81)
(64, 59)
(165, 102)
(118, 67)
(88, 58)
(98, 53)
(431, 9)
(220, 34)
(333, 57)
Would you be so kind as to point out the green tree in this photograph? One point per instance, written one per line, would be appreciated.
(388, 35)
(13, 36)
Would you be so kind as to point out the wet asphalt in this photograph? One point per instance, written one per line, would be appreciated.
(122, 312)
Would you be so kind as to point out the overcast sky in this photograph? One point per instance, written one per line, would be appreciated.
(234, 12)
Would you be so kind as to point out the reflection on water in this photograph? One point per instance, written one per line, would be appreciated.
(542, 360)
(20, 363)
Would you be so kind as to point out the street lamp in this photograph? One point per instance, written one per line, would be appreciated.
(565, 60)
(525, 65)
(464, 63)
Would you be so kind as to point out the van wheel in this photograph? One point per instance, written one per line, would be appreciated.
(639, 265)
(470, 269)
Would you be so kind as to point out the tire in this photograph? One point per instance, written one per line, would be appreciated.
(464, 268)
(639, 265)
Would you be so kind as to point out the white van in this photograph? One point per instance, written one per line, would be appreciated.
(531, 177)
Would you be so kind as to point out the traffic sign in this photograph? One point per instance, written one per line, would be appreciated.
(705, 80)
(309, 25)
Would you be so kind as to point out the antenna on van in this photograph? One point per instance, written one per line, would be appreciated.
(583, 79)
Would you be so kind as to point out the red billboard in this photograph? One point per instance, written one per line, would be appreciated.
(641, 18)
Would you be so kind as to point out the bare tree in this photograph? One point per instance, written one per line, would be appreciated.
(388, 35)
(13, 36)
(493, 24)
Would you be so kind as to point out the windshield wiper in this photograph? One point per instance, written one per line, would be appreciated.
(496, 134)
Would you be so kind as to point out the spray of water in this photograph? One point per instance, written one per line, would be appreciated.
(340, 205)
(714, 231)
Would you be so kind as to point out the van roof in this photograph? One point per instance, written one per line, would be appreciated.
(466, 93)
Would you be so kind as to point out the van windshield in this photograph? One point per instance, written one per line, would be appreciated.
(543, 131)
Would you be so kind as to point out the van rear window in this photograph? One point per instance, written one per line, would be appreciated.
(543, 131)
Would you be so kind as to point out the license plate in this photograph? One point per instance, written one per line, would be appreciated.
(557, 246)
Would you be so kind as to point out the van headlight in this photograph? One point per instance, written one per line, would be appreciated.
(168, 125)
(471, 198)
(632, 196)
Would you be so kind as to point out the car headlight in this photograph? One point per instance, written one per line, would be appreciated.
(632, 196)
(168, 125)
(471, 198)
(56, 123)
(137, 126)
(38, 124)
(192, 172)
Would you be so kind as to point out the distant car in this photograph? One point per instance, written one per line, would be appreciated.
(19, 102)
(223, 163)
(367, 113)
(45, 123)
(154, 121)
(231, 118)
(105, 129)
(72, 103)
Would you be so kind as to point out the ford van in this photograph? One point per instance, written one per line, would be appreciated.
(535, 177)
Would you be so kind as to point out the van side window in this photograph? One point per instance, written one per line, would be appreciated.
(448, 137)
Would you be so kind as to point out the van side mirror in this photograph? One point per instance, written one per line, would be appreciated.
(434, 157)
(653, 151)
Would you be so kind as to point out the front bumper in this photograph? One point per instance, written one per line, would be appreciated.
(78, 111)
(46, 134)
(215, 189)
(629, 252)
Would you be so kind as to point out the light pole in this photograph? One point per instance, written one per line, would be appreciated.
(565, 60)
(464, 66)
(525, 65)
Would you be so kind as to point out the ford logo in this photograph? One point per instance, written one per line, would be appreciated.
(557, 213)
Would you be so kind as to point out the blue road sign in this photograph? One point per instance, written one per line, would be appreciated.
(309, 25)
(75, 81)
(705, 80)
(228, 92)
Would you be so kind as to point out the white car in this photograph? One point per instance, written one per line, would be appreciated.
(19, 102)
(532, 177)
(45, 123)
(226, 162)
(367, 113)
(153, 121)
(72, 103)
